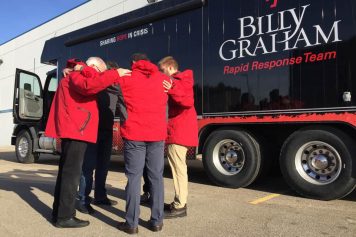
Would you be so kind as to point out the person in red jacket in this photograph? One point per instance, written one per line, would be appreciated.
(74, 119)
(182, 132)
(144, 132)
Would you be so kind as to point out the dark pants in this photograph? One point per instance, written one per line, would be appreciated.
(97, 156)
(138, 155)
(70, 166)
(146, 183)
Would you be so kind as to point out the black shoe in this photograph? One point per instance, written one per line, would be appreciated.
(53, 220)
(155, 228)
(71, 223)
(123, 226)
(145, 198)
(106, 202)
(85, 208)
(172, 212)
(168, 206)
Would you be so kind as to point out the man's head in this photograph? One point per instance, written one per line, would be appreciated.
(168, 65)
(138, 56)
(97, 63)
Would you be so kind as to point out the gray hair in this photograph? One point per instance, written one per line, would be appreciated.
(95, 61)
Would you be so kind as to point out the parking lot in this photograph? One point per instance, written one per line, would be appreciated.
(266, 208)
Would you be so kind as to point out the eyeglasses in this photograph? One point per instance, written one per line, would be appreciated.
(97, 68)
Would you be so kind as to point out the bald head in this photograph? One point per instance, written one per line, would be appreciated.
(97, 63)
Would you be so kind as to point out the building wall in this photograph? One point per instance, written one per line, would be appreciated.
(25, 51)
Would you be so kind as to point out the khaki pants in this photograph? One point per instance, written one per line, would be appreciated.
(177, 161)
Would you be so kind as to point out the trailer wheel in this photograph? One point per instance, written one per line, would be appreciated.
(23, 148)
(232, 158)
(316, 163)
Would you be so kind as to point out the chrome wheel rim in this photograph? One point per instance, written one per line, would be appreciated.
(228, 157)
(23, 147)
(318, 163)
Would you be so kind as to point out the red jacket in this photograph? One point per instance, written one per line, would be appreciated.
(74, 111)
(146, 103)
(182, 117)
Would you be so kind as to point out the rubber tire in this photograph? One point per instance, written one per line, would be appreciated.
(30, 156)
(342, 186)
(252, 165)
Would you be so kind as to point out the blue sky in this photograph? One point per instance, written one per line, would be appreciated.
(19, 16)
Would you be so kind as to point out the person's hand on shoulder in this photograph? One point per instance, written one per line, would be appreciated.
(123, 72)
(167, 85)
(66, 71)
(78, 67)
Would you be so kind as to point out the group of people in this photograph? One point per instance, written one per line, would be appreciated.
(82, 116)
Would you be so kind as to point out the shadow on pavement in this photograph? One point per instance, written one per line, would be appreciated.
(196, 171)
(271, 183)
(24, 183)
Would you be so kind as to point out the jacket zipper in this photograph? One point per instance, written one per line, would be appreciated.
(86, 120)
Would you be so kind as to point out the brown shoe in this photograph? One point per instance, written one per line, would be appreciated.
(155, 228)
(172, 212)
(123, 226)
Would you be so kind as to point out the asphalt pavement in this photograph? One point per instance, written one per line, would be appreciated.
(266, 208)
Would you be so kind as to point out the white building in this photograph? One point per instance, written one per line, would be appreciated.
(25, 50)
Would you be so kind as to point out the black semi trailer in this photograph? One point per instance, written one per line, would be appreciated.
(274, 80)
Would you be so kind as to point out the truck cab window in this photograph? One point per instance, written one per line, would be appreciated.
(53, 84)
(29, 83)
